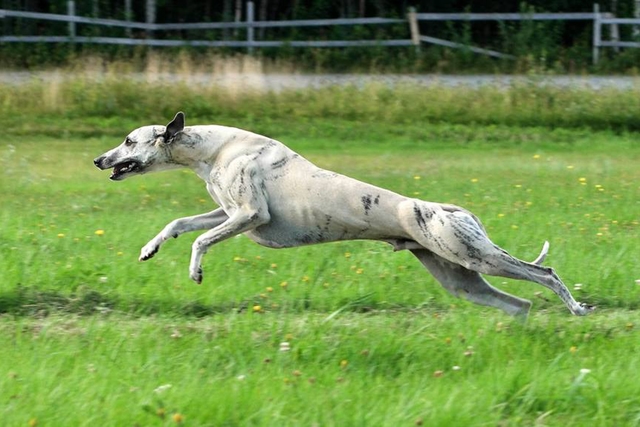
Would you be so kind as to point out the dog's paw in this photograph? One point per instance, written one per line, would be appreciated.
(148, 251)
(587, 307)
(196, 274)
(584, 309)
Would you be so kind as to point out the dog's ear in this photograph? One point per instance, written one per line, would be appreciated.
(176, 125)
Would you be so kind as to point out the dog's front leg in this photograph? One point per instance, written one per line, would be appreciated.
(180, 226)
(239, 222)
(244, 196)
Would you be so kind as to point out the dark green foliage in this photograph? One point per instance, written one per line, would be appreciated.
(560, 46)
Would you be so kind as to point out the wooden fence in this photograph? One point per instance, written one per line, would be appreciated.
(414, 36)
(601, 19)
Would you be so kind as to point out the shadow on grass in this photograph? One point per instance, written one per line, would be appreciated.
(30, 302)
(26, 301)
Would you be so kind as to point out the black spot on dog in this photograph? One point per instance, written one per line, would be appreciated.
(264, 148)
(311, 238)
(324, 174)
(417, 212)
(280, 163)
(376, 201)
(192, 140)
(242, 188)
(468, 241)
(324, 228)
(366, 203)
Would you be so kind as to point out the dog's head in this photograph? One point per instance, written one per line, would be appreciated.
(146, 149)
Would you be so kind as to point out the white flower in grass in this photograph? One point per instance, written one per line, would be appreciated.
(284, 346)
(162, 388)
(580, 378)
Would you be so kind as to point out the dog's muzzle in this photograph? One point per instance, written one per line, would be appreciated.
(119, 169)
(98, 162)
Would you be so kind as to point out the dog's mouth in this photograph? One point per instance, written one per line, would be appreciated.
(124, 168)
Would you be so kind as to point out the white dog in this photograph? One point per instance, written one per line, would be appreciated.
(279, 199)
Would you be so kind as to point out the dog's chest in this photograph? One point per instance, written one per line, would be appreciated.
(214, 191)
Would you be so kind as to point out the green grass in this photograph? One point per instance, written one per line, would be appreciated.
(89, 333)
(460, 367)
(109, 102)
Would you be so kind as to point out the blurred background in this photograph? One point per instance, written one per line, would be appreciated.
(559, 36)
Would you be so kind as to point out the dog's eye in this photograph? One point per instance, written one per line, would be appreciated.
(128, 142)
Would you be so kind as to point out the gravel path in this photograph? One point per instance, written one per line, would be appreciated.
(278, 82)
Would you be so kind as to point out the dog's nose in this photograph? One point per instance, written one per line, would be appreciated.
(98, 160)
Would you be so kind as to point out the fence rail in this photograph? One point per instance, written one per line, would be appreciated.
(584, 16)
(4, 13)
(274, 24)
(203, 43)
(250, 24)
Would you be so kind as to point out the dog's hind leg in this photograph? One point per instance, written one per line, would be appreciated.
(470, 285)
(456, 236)
(180, 226)
(505, 265)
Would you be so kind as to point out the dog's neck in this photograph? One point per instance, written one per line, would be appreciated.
(199, 147)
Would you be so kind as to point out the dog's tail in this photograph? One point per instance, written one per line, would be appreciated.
(543, 254)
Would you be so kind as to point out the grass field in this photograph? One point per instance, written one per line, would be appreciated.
(93, 337)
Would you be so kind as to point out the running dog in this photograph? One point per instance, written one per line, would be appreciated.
(279, 199)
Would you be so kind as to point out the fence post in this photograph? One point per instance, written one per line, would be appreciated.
(615, 32)
(636, 14)
(71, 11)
(413, 26)
(127, 16)
(250, 19)
(597, 33)
(151, 16)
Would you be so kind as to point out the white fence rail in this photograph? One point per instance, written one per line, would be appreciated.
(250, 24)
(505, 16)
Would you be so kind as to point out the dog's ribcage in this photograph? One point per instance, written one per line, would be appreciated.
(306, 204)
